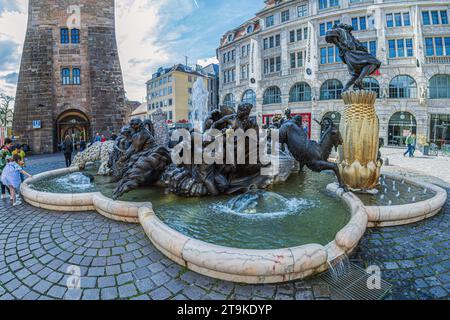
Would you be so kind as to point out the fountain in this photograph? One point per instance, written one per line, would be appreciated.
(199, 110)
(247, 219)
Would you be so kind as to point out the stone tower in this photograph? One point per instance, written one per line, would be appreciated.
(70, 80)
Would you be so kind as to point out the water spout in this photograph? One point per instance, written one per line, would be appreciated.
(339, 266)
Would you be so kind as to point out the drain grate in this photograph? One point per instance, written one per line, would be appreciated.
(352, 284)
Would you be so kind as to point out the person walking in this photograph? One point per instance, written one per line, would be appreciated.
(413, 145)
(409, 143)
(68, 150)
(11, 178)
(5, 151)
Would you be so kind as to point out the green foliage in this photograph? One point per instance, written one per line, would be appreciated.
(6, 110)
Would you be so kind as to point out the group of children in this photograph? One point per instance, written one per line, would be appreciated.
(11, 169)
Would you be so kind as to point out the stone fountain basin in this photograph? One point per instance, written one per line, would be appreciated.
(241, 265)
(396, 215)
(225, 263)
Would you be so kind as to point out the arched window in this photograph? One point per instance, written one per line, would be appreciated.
(76, 76)
(228, 101)
(272, 95)
(371, 84)
(300, 92)
(65, 75)
(331, 90)
(75, 35)
(400, 124)
(403, 87)
(249, 96)
(440, 86)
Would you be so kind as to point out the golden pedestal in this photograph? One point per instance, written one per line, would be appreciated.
(358, 156)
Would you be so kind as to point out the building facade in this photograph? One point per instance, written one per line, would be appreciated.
(171, 90)
(280, 59)
(70, 80)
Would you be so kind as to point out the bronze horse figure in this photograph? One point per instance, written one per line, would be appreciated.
(359, 61)
(310, 153)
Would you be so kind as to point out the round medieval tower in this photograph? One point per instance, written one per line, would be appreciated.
(70, 80)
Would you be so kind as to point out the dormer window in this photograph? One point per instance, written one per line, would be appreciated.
(230, 37)
(250, 29)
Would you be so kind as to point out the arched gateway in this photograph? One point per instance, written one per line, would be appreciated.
(73, 123)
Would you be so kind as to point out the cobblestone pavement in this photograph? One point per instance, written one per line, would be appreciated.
(38, 249)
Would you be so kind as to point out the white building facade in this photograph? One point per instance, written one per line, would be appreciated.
(280, 59)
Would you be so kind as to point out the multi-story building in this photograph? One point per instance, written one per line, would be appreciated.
(70, 80)
(171, 90)
(280, 59)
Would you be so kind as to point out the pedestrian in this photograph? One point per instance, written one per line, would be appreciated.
(5, 151)
(21, 153)
(97, 138)
(11, 178)
(82, 144)
(68, 150)
(413, 145)
(409, 143)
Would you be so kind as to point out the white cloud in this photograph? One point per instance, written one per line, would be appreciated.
(207, 61)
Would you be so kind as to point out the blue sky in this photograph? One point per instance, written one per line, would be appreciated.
(150, 33)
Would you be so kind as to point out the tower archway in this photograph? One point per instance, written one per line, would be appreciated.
(73, 123)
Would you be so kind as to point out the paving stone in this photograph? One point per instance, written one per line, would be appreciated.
(57, 291)
(91, 294)
(127, 291)
(160, 294)
(109, 293)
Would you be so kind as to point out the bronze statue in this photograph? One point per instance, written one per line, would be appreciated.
(144, 160)
(310, 153)
(359, 61)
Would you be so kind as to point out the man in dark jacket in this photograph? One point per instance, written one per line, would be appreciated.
(67, 148)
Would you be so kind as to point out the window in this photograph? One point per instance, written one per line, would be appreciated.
(439, 87)
(76, 76)
(331, 90)
(302, 10)
(65, 73)
(400, 48)
(270, 21)
(75, 35)
(245, 50)
(360, 23)
(250, 29)
(298, 35)
(272, 65)
(272, 95)
(398, 19)
(434, 17)
(244, 72)
(437, 46)
(371, 84)
(64, 35)
(272, 42)
(300, 92)
(324, 4)
(371, 46)
(228, 101)
(285, 16)
(229, 56)
(329, 55)
(297, 59)
(402, 87)
(326, 26)
(249, 96)
(229, 75)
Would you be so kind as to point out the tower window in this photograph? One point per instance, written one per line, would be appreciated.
(75, 34)
(64, 35)
(65, 73)
(76, 76)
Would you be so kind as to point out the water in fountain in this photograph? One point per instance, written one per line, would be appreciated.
(199, 109)
(73, 183)
(339, 266)
(262, 204)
